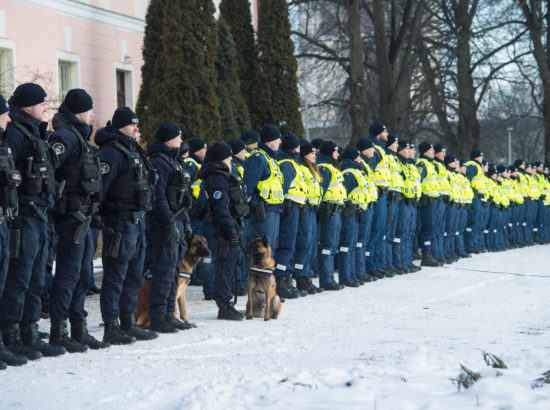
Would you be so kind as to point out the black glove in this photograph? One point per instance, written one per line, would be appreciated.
(171, 233)
(96, 222)
(188, 230)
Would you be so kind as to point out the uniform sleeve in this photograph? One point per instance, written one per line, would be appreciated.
(110, 168)
(422, 170)
(471, 172)
(253, 173)
(350, 183)
(325, 174)
(217, 189)
(289, 173)
(161, 208)
(65, 145)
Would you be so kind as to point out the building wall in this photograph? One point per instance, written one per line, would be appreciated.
(95, 36)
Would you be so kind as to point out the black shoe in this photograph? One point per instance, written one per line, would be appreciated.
(305, 285)
(3, 365)
(331, 286)
(59, 336)
(312, 287)
(43, 335)
(90, 292)
(365, 278)
(208, 297)
(128, 326)
(31, 338)
(79, 332)
(388, 273)
(7, 356)
(465, 255)
(228, 312)
(285, 291)
(13, 342)
(158, 324)
(416, 256)
(377, 274)
(242, 291)
(95, 290)
(178, 324)
(302, 293)
(44, 315)
(195, 281)
(428, 259)
(350, 283)
(114, 335)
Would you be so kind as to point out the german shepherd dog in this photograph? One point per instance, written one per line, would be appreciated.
(198, 249)
(263, 301)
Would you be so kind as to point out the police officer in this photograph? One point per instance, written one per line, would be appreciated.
(80, 172)
(168, 226)
(226, 199)
(295, 193)
(330, 213)
(21, 304)
(10, 178)
(428, 202)
(264, 189)
(474, 173)
(128, 183)
(442, 208)
(306, 239)
(378, 135)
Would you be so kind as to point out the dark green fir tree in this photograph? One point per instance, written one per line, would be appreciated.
(276, 85)
(152, 47)
(236, 13)
(233, 110)
(183, 87)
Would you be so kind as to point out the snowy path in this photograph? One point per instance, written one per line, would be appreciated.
(392, 344)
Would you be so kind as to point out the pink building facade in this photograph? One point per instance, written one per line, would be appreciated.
(64, 44)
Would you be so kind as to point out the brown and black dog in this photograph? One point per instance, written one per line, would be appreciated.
(263, 300)
(198, 249)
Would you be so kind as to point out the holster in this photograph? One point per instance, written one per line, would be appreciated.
(287, 207)
(15, 238)
(81, 227)
(325, 211)
(349, 209)
(259, 207)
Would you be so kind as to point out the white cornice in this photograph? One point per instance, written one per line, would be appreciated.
(87, 12)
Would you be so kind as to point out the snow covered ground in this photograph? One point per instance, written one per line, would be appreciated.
(392, 344)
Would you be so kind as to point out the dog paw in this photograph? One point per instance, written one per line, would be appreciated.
(248, 317)
(193, 324)
(266, 319)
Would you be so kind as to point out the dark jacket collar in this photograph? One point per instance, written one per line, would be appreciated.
(267, 150)
(348, 163)
(17, 114)
(64, 117)
(159, 146)
(108, 134)
(210, 167)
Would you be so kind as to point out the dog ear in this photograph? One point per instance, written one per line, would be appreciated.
(265, 241)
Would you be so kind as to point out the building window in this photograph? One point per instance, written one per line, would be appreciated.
(65, 79)
(7, 70)
(124, 85)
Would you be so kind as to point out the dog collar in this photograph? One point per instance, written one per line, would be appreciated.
(184, 275)
(264, 271)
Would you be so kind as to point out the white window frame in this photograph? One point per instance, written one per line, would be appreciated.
(8, 49)
(128, 83)
(74, 61)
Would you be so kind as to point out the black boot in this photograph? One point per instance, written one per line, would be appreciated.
(114, 334)
(7, 357)
(158, 324)
(350, 283)
(79, 332)
(228, 312)
(302, 293)
(303, 285)
(285, 291)
(178, 324)
(31, 338)
(59, 336)
(128, 325)
(428, 259)
(13, 342)
(332, 286)
(313, 287)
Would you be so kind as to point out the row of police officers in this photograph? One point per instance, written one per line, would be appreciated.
(363, 212)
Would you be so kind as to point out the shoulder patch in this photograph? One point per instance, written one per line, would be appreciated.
(105, 168)
(257, 154)
(217, 194)
(59, 148)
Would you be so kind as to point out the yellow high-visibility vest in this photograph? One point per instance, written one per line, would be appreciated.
(430, 183)
(382, 170)
(313, 183)
(297, 192)
(271, 188)
(336, 192)
(478, 181)
(196, 185)
(360, 194)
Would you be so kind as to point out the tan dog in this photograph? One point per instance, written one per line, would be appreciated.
(263, 300)
(198, 249)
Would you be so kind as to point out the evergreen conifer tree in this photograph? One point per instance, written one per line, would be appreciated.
(233, 110)
(183, 87)
(152, 42)
(237, 15)
(276, 74)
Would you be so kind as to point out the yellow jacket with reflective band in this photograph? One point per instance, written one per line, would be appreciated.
(504, 198)
(534, 190)
(430, 183)
(360, 194)
(544, 186)
(515, 192)
(523, 184)
(240, 168)
(409, 184)
(455, 187)
(336, 192)
(443, 178)
(369, 174)
(313, 183)
(382, 171)
(271, 188)
(491, 186)
(467, 190)
(478, 181)
(297, 192)
(196, 185)
(488, 189)
(415, 173)
(396, 180)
